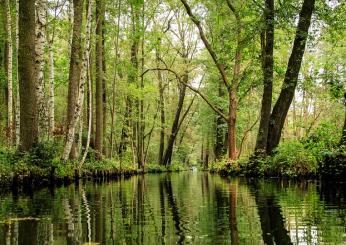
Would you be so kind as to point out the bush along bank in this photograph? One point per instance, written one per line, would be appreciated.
(42, 166)
(319, 155)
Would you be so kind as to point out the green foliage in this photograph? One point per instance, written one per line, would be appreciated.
(293, 159)
(334, 163)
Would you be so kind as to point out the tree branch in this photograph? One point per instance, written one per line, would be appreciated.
(190, 87)
(220, 67)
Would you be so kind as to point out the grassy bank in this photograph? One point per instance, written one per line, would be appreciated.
(318, 155)
(42, 166)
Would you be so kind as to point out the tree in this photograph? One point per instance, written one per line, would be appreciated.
(230, 86)
(26, 71)
(74, 72)
(267, 47)
(9, 63)
(283, 103)
(41, 12)
(100, 12)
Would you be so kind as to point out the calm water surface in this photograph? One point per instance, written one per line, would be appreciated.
(181, 208)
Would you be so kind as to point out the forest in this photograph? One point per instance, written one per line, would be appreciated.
(101, 88)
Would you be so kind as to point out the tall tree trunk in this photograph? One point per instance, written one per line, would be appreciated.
(51, 98)
(17, 79)
(99, 77)
(141, 123)
(232, 123)
(175, 127)
(104, 96)
(74, 79)
(9, 72)
(113, 83)
(26, 70)
(161, 104)
(41, 10)
(87, 75)
(75, 72)
(267, 46)
(280, 110)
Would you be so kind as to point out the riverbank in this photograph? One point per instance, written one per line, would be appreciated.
(42, 166)
(292, 160)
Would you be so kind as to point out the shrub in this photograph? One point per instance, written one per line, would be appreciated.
(334, 163)
(293, 159)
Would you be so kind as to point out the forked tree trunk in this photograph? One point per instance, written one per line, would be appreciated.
(9, 72)
(26, 70)
(41, 9)
(280, 110)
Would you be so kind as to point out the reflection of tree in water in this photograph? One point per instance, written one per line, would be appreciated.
(167, 185)
(272, 221)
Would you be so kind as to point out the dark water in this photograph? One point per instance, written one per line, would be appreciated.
(183, 208)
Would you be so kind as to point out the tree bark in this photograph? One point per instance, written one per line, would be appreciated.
(267, 46)
(175, 127)
(99, 77)
(74, 79)
(51, 98)
(26, 70)
(113, 82)
(161, 105)
(17, 97)
(280, 110)
(41, 9)
(9, 62)
(87, 75)
(232, 123)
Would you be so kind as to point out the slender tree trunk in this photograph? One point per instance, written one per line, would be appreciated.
(232, 123)
(51, 98)
(41, 10)
(9, 55)
(99, 77)
(74, 74)
(17, 79)
(83, 78)
(161, 104)
(113, 83)
(280, 110)
(141, 123)
(74, 82)
(87, 75)
(267, 43)
(26, 70)
(175, 127)
(104, 97)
